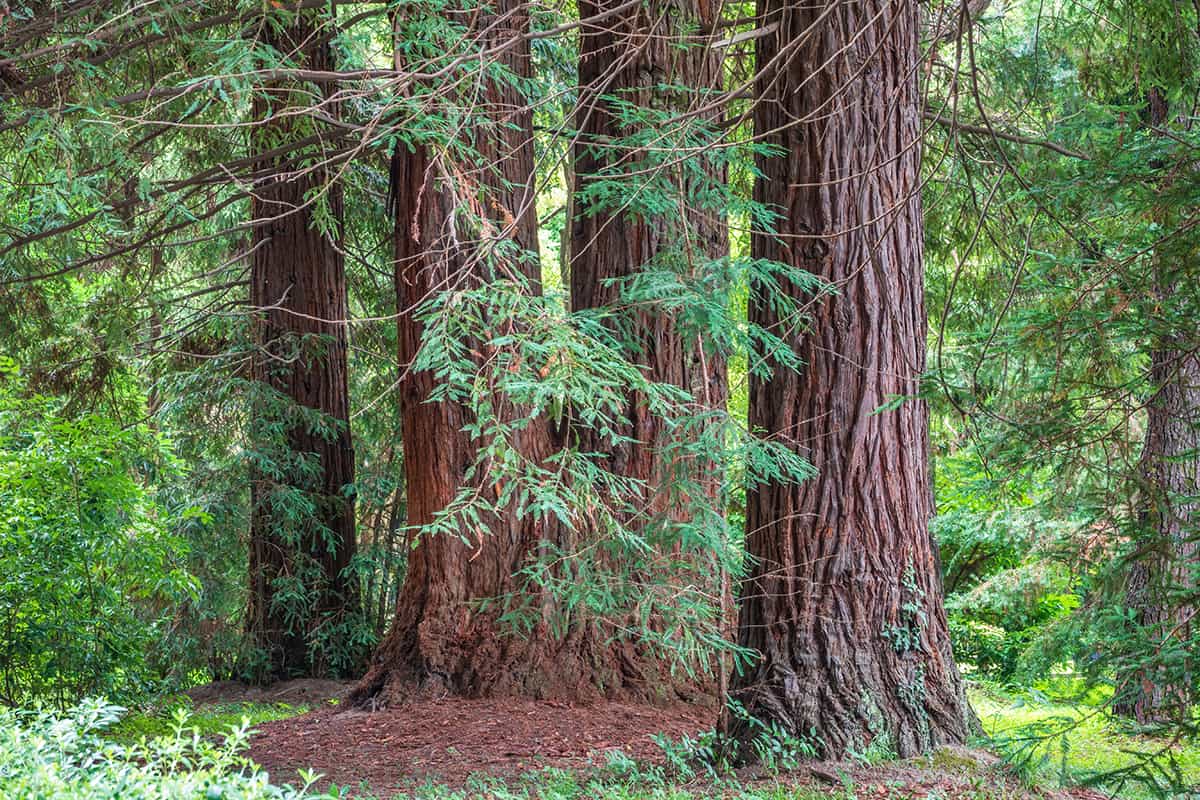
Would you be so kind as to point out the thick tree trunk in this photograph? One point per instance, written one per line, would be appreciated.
(298, 286)
(440, 640)
(630, 57)
(843, 598)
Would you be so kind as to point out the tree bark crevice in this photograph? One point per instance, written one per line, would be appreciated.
(843, 600)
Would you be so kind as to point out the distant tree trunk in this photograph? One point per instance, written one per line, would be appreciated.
(298, 288)
(1169, 469)
(439, 640)
(631, 56)
(1170, 485)
(843, 598)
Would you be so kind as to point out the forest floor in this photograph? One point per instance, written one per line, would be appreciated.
(508, 749)
(453, 739)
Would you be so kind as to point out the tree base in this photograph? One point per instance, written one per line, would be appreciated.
(477, 658)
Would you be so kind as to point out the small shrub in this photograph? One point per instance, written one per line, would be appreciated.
(47, 757)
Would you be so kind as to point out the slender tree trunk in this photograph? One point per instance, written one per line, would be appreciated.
(441, 640)
(298, 286)
(1169, 474)
(1170, 485)
(629, 58)
(843, 599)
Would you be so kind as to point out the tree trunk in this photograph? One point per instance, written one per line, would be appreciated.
(1170, 476)
(631, 56)
(1170, 485)
(843, 599)
(441, 640)
(298, 287)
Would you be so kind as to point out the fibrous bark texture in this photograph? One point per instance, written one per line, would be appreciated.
(441, 640)
(298, 288)
(632, 57)
(843, 599)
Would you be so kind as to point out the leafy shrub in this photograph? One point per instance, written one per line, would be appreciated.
(88, 567)
(995, 625)
(43, 757)
(1004, 579)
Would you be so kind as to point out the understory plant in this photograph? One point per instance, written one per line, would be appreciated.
(51, 757)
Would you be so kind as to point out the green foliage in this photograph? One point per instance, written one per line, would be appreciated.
(1002, 549)
(89, 568)
(1052, 277)
(43, 757)
(1053, 734)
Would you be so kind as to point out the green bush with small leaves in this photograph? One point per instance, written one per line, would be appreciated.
(47, 757)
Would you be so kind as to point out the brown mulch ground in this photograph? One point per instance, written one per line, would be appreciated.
(453, 738)
(450, 739)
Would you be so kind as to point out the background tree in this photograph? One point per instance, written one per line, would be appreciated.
(650, 83)
(304, 594)
(648, 231)
(1161, 580)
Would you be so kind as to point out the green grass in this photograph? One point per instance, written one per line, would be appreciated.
(207, 720)
(1054, 737)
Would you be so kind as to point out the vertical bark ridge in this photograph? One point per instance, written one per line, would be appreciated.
(843, 597)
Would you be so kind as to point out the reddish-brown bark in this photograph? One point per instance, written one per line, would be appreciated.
(440, 640)
(298, 285)
(630, 57)
(843, 600)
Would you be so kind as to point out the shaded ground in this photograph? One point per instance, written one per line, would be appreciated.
(451, 739)
(302, 691)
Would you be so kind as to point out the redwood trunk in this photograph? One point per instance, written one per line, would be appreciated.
(631, 57)
(440, 640)
(843, 599)
(298, 286)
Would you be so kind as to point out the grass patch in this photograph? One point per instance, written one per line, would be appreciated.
(1053, 736)
(207, 720)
